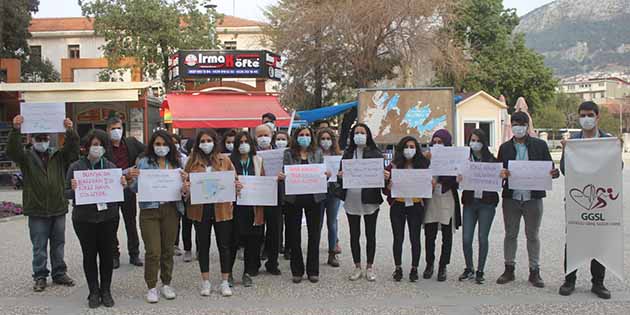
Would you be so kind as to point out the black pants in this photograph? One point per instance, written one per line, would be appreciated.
(186, 230)
(294, 230)
(223, 235)
(430, 234)
(354, 221)
(251, 250)
(598, 271)
(398, 215)
(273, 222)
(129, 213)
(96, 240)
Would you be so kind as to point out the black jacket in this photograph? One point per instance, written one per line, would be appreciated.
(368, 195)
(135, 150)
(488, 197)
(537, 150)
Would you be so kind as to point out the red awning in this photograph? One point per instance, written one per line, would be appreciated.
(217, 110)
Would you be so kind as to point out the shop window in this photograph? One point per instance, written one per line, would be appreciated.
(229, 45)
(74, 52)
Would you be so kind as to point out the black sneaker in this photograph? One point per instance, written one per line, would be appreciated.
(40, 285)
(428, 272)
(601, 291)
(106, 298)
(467, 275)
(398, 274)
(64, 280)
(479, 279)
(413, 274)
(136, 261)
(116, 262)
(94, 300)
(567, 288)
(274, 271)
(313, 279)
(247, 280)
(441, 274)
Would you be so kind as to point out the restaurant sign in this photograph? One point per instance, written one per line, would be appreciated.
(199, 64)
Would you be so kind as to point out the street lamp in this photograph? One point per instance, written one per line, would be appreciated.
(211, 10)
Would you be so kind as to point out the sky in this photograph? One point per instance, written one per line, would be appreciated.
(249, 9)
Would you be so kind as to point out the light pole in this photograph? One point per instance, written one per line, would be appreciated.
(211, 11)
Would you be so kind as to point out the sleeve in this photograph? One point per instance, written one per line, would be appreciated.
(134, 183)
(15, 150)
(70, 150)
(386, 190)
(286, 159)
(68, 192)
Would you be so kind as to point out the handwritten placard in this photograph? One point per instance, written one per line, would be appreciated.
(333, 163)
(304, 179)
(363, 173)
(98, 186)
(448, 161)
(159, 185)
(482, 176)
(258, 191)
(411, 183)
(530, 175)
(212, 187)
(272, 161)
(43, 117)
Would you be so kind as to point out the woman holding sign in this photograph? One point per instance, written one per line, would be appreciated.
(442, 213)
(206, 156)
(95, 224)
(327, 141)
(407, 156)
(158, 220)
(362, 202)
(479, 209)
(303, 151)
(248, 220)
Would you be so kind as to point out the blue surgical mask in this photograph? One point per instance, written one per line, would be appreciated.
(304, 141)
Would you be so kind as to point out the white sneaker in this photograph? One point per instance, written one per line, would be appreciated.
(168, 292)
(225, 289)
(240, 253)
(177, 251)
(153, 296)
(206, 287)
(188, 256)
(370, 275)
(356, 274)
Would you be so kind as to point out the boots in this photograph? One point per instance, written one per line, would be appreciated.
(534, 278)
(441, 277)
(567, 288)
(106, 298)
(428, 271)
(332, 259)
(507, 276)
(600, 290)
(94, 299)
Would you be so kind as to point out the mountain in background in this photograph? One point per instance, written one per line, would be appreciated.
(580, 36)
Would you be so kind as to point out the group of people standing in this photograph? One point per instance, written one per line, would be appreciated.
(50, 182)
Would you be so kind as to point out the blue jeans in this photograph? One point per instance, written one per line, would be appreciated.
(484, 214)
(43, 229)
(330, 206)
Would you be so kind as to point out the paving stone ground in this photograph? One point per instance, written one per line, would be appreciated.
(334, 294)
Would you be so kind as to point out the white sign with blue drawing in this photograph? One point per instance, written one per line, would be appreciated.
(212, 187)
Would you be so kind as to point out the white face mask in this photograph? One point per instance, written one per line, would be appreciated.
(206, 147)
(161, 151)
(438, 145)
(264, 142)
(229, 146)
(326, 144)
(116, 134)
(519, 131)
(409, 153)
(41, 146)
(281, 144)
(588, 123)
(476, 146)
(96, 151)
(271, 125)
(360, 139)
(244, 148)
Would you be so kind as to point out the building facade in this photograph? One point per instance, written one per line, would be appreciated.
(597, 90)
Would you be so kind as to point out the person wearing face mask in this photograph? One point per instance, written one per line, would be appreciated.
(43, 198)
(589, 120)
(410, 211)
(248, 220)
(327, 141)
(124, 152)
(269, 119)
(522, 203)
(362, 202)
(280, 140)
(442, 213)
(158, 220)
(303, 151)
(479, 210)
(228, 142)
(273, 215)
(95, 224)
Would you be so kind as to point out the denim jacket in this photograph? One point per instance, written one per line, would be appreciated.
(146, 164)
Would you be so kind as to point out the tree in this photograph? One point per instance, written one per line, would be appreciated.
(498, 60)
(151, 30)
(15, 18)
(608, 122)
(549, 117)
(333, 47)
(568, 106)
(37, 70)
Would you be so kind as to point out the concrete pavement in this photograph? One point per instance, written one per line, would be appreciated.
(334, 294)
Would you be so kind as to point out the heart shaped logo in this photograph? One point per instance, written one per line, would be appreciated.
(585, 197)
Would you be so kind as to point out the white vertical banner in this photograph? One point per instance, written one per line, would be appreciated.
(594, 203)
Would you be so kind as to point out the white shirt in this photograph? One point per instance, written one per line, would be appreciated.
(353, 203)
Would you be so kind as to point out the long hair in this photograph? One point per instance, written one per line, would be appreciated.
(352, 147)
(295, 146)
(486, 155)
(197, 155)
(229, 133)
(333, 136)
(173, 155)
(236, 155)
(418, 161)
